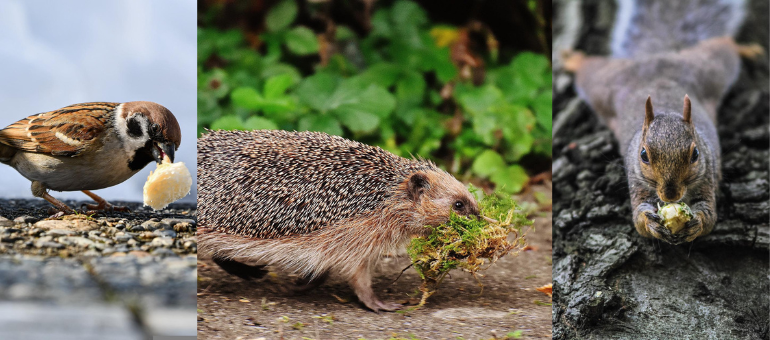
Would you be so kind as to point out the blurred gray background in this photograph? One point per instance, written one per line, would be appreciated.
(57, 53)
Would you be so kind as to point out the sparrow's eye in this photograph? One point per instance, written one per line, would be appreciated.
(459, 205)
(644, 157)
(695, 154)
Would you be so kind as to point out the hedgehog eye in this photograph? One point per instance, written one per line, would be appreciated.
(459, 205)
(695, 155)
(644, 157)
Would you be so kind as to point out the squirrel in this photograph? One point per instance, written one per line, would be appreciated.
(316, 203)
(680, 56)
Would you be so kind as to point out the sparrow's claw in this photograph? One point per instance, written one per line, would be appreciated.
(102, 204)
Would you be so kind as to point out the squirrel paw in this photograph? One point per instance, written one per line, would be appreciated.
(654, 224)
(692, 229)
(572, 60)
(751, 51)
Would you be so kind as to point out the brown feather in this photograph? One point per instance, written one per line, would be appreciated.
(59, 132)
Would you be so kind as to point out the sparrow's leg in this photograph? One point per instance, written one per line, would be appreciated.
(39, 190)
(102, 203)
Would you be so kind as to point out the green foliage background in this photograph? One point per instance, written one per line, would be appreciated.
(383, 89)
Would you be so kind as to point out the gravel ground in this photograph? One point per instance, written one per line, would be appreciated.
(135, 269)
(231, 308)
(609, 282)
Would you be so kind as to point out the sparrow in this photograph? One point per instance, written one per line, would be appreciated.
(89, 146)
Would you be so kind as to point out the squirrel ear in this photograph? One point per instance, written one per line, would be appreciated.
(648, 114)
(418, 183)
(686, 110)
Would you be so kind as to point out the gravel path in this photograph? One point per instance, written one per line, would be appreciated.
(231, 308)
(135, 272)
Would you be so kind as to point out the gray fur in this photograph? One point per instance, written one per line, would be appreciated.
(645, 27)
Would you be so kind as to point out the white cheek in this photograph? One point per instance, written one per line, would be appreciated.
(130, 144)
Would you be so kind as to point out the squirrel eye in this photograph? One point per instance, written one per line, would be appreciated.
(459, 205)
(643, 155)
(695, 155)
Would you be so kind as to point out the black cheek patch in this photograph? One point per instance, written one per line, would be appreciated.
(141, 158)
(134, 128)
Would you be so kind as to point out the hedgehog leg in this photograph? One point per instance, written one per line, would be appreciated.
(309, 282)
(241, 270)
(362, 285)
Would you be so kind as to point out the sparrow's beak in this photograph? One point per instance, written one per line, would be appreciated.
(161, 150)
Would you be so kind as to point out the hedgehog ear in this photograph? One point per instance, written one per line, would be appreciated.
(418, 183)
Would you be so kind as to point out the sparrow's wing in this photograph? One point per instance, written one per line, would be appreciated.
(64, 132)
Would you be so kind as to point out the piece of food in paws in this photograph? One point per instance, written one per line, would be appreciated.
(168, 183)
(675, 216)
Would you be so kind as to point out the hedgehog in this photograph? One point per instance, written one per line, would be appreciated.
(315, 204)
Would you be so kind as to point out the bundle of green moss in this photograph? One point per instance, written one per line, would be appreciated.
(468, 243)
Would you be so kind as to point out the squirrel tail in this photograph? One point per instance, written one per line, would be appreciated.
(645, 27)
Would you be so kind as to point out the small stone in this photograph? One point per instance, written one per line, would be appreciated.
(4, 222)
(123, 238)
(91, 253)
(139, 253)
(155, 225)
(132, 242)
(136, 228)
(75, 225)
(48, 244)
(163, 253)
(182, 227)
(191, 245)
(162, 242)
(164, 233)
(26, 219)
(120, 226)
(60, 232)
(174, 221)
(76, 240)
(118, 254)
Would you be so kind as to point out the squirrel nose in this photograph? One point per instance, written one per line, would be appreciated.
(670, 194)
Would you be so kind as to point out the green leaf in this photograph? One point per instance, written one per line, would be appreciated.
(407, 14)
(543, 106)
(480, 100)
(410, 89)
(344, 33)
(374, 100)
(359, 121)
(320, 122)
(230, 122)
(259, 123)
(301, 40)
(278, 105)
(246, 97)
(316, 91)
(278, 69)
(277, 85)
(488, 163)
(382, 74)
(511, 179)
(281, 15)
(381, 24)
